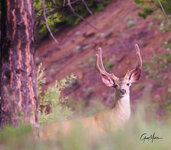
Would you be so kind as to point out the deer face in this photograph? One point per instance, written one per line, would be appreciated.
(122, 85)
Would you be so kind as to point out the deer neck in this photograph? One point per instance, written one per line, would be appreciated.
(122, 107)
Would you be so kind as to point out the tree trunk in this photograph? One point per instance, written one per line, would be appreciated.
(17, 71)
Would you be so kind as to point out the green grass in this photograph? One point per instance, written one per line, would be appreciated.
(79, 139)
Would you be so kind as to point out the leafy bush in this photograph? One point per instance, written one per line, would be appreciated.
(146, 11)
(166, 5)
(63, 16)
(94, 5)
(150, 6)
(51, 104)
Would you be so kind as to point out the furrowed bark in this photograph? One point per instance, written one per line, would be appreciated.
(17, 71)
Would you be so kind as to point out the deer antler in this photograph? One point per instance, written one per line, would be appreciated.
(100, 67)
(139, 62)
(139, 59)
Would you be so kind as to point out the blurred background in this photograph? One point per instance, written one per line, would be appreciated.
(69, 84)
(121, 24)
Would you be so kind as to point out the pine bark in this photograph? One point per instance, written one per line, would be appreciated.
(17, 70)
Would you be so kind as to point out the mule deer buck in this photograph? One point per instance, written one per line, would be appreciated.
(120, 113)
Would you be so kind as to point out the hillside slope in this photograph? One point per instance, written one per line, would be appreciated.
(121, 29)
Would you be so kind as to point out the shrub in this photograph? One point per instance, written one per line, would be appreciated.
(52, 106)
(166, 5)
(150, 6)
(64, 16)
(146, 11)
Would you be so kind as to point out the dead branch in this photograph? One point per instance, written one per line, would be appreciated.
(163, 11)
(73, 11)
(56, 9)
(87, 7)
(47, 25)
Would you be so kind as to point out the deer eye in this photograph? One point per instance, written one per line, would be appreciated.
(128, 84)
(115, 86)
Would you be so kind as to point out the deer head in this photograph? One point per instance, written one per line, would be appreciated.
(122, 85)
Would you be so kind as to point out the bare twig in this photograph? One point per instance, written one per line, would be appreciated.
(57, 9)
(47, 14)
(87, 7)
(164, 11)
(73, 11)
(53, 11)
(47, 25)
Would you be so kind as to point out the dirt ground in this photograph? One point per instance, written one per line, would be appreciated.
(120, 29)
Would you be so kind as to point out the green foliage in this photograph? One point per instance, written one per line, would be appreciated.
(166, 5)
(52, 20)
(158, 64)
(150, 6)
(9, 136)
(52, 106)
(139, 1)
(72, 83)
(146, 11)
(158, 69)
(79, 138)
(94, 5)
(63, 16)
(169, 45)
(11, 132)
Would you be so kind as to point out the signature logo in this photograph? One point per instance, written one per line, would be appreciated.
(150, 138)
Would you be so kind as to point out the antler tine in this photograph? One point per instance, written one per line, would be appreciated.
(100, 55)
(101, 68)
(100, 62)
(97, 64)
(139, 59)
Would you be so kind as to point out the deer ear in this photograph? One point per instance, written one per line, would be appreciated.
(107, 80)
(135, 75)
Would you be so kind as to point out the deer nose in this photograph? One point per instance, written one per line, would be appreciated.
(122, 91)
